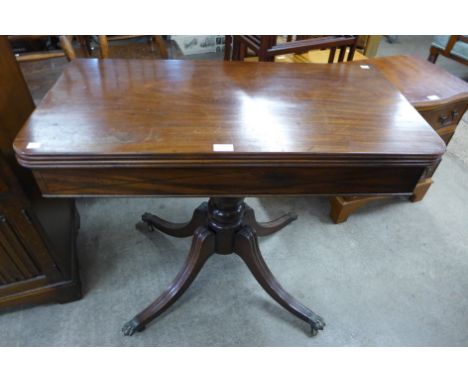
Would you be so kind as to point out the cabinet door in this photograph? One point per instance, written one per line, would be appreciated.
(16, 263)
(23, 251)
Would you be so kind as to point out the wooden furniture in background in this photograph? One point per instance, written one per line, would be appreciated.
(368, 45)
(37, 236)
(104, 43)
(437, 95)
(256, 129)
(454, 47)
(65, 45)
(310, 57)
(267, 47)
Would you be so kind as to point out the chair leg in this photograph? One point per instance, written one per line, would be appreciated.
(342, 53)
(434, 53)
(227, 47)
(162, 46)
(67, 47)
(235, 56)
(104, 46)
(242, 50)
(84, 45)
(331, 56)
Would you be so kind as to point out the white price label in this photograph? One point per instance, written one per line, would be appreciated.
(223, 147)
(33, 145)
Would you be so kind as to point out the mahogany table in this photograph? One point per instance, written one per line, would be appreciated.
(225, 130)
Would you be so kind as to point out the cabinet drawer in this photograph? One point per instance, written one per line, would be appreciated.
(445, 119)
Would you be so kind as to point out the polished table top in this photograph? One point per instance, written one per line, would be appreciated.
(111, 126)
(171, 110)
(424, 84)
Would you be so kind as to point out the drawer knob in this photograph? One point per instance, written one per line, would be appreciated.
(444, 119)
(455, 114)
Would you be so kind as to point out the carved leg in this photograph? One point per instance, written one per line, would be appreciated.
(203, 246)
(246, 246)
(264, 229)
(178, 229)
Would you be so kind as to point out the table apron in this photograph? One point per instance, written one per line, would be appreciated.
(208, 181)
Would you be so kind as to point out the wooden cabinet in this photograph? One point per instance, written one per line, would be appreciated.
(36, 263)
(445, 119)
(37, 236)
(438, 96)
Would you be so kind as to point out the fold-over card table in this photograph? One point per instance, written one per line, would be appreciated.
(224, 130)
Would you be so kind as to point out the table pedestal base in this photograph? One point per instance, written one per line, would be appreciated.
(223, 226)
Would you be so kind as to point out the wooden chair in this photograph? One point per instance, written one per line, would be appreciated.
(266, 47)
(104, 44)
(454, 47)
(66, 50)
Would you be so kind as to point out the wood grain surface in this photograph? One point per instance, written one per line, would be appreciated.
(419, 80)
(139, 127)
(140, 110)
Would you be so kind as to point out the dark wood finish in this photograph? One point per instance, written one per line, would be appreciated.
(246, 246)
(419, 81)
(16, 103)
(150, 127)
(228, 226)
(37, 236)
(264, 229)
(37, 247)
(447, 52)
(132, 118)
(199, 219)
(227, 47)
(203, 246)
(266, 47)
(233, 179)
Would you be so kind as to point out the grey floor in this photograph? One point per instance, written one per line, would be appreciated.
(395, 274)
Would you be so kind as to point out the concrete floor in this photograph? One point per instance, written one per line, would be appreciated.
(395, 274)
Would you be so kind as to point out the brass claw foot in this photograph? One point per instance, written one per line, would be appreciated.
(316, 323)
(131, 327)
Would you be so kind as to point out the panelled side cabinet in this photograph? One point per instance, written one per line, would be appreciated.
(37, 246)
(37, 235)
